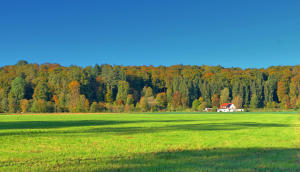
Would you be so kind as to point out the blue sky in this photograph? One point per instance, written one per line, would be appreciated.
(239, 33)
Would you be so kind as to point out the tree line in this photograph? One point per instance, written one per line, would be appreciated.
(26, 87)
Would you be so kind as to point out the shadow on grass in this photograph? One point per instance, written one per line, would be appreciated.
(195, 127)
(100, 127)
(172, 160)
(54, 124)
(70, 123)
(219, 159)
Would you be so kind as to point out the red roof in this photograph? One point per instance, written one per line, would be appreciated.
(225, 105)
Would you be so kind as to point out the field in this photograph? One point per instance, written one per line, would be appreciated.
(150, 142)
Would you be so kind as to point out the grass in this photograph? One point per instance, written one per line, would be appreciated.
(150, 142)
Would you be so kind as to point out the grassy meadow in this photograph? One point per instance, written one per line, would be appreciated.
(150, 142)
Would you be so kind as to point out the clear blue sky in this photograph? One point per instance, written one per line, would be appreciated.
(240, 33)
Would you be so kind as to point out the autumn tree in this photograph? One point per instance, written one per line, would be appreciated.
(39, 106)
(4, 99)
(224, 98)
(16, 94)
(149, 92)
(237, 101)
(40, 97)
(176, 102)
(196, 103)
(297, 106)
(129, 106)
(161, 99)
(202, 106)
(74, 95)
(95, 107)
(109, 95)
(41, 91)
(123, 87)
(77, 102)
(144, 106)
(62, 102)
(100, 88)
(25, 105)
(215, 100)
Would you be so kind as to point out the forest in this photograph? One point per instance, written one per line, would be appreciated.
(30, 87)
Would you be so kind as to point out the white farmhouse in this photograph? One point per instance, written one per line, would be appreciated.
(229, 107)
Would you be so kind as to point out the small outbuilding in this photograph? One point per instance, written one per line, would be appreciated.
(208, 110)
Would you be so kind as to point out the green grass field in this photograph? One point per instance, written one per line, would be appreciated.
(150, 142)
